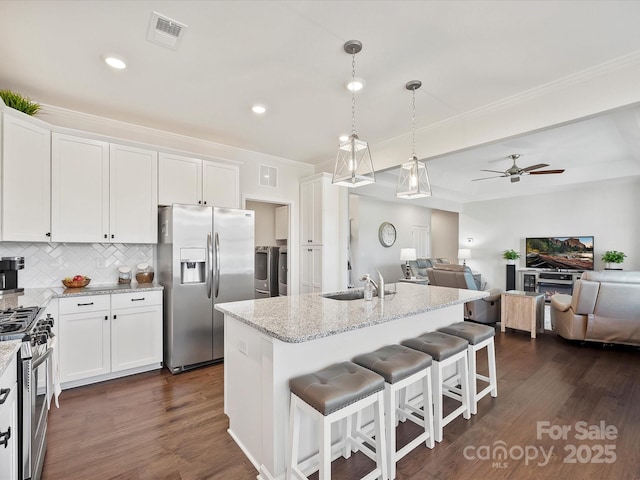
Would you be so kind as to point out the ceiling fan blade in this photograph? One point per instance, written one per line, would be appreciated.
(545, 172)
(493, 171)
(535, 167)
(487, 178)
(515, 178)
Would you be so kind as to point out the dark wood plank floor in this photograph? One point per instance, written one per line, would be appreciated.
(159, 426)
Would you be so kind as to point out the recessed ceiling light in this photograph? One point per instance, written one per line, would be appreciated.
(355, 85)
(259, 109)
(115, 62)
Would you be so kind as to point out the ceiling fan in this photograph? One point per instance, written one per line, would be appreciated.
(515, 171)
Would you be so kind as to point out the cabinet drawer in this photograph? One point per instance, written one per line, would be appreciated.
(91, 303)
(9, 377)
(136, 299)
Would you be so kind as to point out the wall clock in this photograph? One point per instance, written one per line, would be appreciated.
(387, 234)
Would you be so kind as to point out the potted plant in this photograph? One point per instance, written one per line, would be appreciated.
(612, 256)
(19, 102)
(510, 256)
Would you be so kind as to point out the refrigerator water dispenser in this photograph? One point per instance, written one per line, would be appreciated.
(192, 265)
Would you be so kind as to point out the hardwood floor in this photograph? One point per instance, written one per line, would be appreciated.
(158, 426)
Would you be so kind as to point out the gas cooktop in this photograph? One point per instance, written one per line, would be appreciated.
(16, 322)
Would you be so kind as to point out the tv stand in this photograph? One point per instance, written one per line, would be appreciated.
(548, 282)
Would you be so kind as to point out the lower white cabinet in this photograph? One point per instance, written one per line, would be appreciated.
(9, 422)
(106, 336)
(311, 271)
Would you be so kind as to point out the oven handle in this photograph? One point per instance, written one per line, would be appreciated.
(40, 360)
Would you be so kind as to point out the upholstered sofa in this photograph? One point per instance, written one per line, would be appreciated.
(418, 267)
(604, 307)
(485, 310)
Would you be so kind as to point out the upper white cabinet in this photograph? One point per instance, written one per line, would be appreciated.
(26, 179)
(101, 192)
(197, 182)
(179, 179)
(133, 195)
(79, 189)
(282, 222)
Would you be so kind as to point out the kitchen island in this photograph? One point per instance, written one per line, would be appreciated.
(268, 341)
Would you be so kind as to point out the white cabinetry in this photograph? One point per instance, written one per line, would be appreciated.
(323, 233)
(9, 422)
(282, 222)
(101, 192)
(26, 178)
(107, 336)
(195, 181)
(136, 330)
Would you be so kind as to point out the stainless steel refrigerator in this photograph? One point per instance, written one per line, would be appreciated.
(205, 256)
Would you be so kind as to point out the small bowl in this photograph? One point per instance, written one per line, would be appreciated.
(73, 284)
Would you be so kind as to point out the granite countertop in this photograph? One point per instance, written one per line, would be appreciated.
(8, 350)
(300, 318)
(40, 296)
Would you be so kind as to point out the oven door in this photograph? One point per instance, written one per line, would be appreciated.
(34, 413)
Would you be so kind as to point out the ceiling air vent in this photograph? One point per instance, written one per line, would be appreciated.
(165, 31)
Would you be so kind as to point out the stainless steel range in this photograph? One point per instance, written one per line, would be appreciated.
(29, 325)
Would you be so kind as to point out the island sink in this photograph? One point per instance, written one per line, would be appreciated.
(354, 295)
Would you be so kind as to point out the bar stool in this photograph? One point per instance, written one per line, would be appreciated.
(401, 367)
(478, 336)
(445, 350)
(334, 394)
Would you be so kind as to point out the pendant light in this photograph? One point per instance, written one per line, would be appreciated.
(413, 181)
(354, 167)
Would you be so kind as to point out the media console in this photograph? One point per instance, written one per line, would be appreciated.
(547, 282)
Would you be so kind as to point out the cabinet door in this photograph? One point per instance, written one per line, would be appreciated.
(311, 212)
(133, 195)
(282, 223)
(79, 189)
(311, 272)
(179, 180)
(220, 185)
(9, 426)
(26, 181)
(85, 345)
(136, 337)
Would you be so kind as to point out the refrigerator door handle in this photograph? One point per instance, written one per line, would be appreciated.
(209, 264)
(217, 246)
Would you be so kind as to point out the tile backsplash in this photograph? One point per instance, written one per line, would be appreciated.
(46, 264)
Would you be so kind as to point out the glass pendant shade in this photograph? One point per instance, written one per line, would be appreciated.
(413, 181)
(354, 166)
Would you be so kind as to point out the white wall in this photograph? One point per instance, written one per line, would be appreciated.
(265, 221)
(444, 235)
(367, 253)
(608, 210)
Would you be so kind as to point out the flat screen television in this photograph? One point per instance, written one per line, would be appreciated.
(564, 253)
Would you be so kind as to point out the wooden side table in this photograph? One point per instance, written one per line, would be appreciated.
(522, 311)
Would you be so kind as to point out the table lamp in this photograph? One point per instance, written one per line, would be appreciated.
(407, 254)
(464, 254)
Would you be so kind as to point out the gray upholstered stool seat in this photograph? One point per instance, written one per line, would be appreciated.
(479, 337)
(402, 367)
(473, 333)
(334, 394)
(337, 386)
(394, 362)
(437, 344)
(445, 350)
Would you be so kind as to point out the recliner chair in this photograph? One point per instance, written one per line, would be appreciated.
(485, 310)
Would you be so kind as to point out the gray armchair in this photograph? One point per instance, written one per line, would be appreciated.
(485, 310)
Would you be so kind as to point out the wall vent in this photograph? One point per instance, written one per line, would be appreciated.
(165, 31)
(268, 176)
